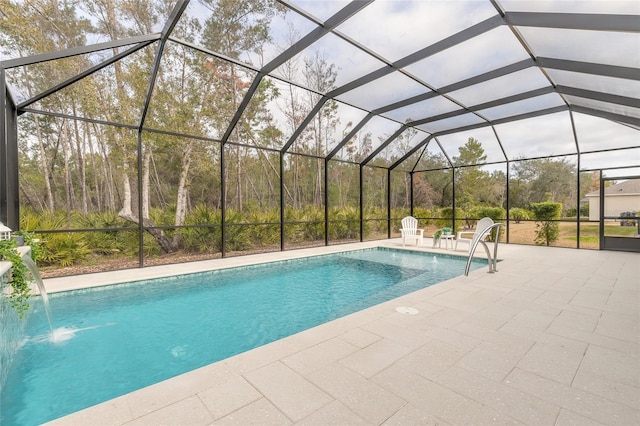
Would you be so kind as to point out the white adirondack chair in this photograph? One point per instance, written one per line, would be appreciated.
(467, 236)
(410, 230)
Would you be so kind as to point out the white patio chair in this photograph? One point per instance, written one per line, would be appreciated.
(467, 236)
(410, 230)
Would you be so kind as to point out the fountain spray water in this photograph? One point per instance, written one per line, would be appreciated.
(435, 260)
(31, 266)
(59, 334)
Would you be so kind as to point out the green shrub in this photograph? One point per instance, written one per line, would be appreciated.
(478, 212)
(265, 235)
(64, 249)
(18, 280)
(584, 211)
(375, 222)
(445, 216)
(57, 249)
(399, 212)
(517, 214)
(150, 246)
(495, 213)
(29, 220)
(379, 213)
(208, 238)
(547, 229)
(345, 223)
(163, 216)
(422, 212)
(313, 227)
(108, 242)
(202, 239)
(238, 237)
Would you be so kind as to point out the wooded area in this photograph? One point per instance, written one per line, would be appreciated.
(103, 162)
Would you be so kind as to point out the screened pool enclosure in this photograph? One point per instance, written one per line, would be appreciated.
(139, 133)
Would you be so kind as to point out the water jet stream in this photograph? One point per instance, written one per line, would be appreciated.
(31, 266)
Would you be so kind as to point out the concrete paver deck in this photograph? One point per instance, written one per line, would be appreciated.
(551, 339)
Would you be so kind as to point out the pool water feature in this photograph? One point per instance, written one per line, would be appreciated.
(128, 336)
(35, 273)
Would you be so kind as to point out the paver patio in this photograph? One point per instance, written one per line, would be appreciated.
(551, 339)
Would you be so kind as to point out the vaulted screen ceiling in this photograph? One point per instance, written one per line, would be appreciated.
(533, 78)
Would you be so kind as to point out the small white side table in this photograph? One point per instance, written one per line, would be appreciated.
(446, 239)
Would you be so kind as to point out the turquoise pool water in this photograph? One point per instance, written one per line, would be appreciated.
(125, 337)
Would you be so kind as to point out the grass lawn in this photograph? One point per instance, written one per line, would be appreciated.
(525, 233)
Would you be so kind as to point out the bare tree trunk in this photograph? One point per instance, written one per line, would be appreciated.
(318, 184)
(161, 199)
(239, 169)
(340, 183)
(45, 167)
(64, 135)
(80, 160)
(127, 214)
(146, 160)
(225, 171)
(407, 191)
(87, 131)
(33, 200)
(317, 192)
(239, 176)
(258, 194)
(265, 171)
(126, 211)
(112, 27)
(43, 154)
(114, 195)
(107, 173)
(183, 190)
(277, 172)
(296, 183)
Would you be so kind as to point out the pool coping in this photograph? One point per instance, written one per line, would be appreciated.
(97, 279)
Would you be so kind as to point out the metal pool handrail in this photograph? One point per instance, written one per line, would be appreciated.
(479, 239)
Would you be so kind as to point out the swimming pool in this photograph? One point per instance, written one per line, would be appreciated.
(128, 336)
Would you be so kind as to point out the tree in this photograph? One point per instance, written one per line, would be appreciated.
(532, 180)
(473, 185)
(432, 188)
(470, 181)
(546, 214)
(36, 27)
(303, 182)
(470, 153)
(236, 29)
(518, 214)
(320, 75)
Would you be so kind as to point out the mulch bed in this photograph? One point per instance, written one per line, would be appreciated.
(105, 264)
